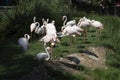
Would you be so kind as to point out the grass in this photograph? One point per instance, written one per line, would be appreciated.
(62, 75)
(109, 74)
(15, 63)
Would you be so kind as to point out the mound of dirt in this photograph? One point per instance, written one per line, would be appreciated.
(93, 57)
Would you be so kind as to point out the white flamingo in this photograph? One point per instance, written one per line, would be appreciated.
(34, 25)
(69, 23)
(49, 38)
(72, 30)
(24, 41)
(37, 28)
(72, 22)
(50, 28)
(98, 25)
(40, 29)
(44, 55)
(85, 24)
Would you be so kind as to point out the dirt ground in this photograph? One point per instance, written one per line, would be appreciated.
(93, 57)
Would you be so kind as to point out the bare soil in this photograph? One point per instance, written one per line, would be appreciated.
(93, 57)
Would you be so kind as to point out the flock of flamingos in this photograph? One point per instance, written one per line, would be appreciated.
(51, 36)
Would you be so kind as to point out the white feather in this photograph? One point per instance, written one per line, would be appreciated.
(24, 41)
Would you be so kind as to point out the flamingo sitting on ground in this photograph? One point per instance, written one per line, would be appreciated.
(44, 55)
(24, 41)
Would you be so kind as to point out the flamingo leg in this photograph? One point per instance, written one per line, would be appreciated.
(70, 40)
(31, 34)
(85, 33)
(84, 37)
(97, 33)
(44, 45)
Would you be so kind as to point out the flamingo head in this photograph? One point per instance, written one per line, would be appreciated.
(27, 36)
(53, 21)
(62, 28)
(49, 49)
(64, 17)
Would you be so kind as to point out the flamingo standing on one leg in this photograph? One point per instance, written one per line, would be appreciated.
(84, 23)
(98, 25)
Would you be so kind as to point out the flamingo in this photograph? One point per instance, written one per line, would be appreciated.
(49, 38)
(24, 41)
(69, 23)
(41, 29)
(34, 25)
(98, 25)
(44, 55)
(37, 27)
(72, 22)
(71, 30)
(50, 28)
(84, 23)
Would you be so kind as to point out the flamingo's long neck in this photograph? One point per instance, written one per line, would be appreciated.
(65, 21)
(47, 55)
(38, 24)
(26, 36)
(79, 23)
(34, 19)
